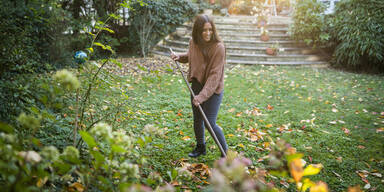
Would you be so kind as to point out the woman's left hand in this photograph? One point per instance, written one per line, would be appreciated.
(195, 102)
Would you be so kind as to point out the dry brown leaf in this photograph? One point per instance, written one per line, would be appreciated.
(76, 187)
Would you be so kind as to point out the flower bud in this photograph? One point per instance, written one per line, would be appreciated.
(67, 79)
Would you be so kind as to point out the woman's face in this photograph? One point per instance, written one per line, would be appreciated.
(207, 32)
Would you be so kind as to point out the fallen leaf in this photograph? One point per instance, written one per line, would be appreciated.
(186, 138)
(181, 133)
(312, 169)
(319, 187)
(175, 183)
(354, 189)
(367, 186)
(230, 135)
(336, 174)
(296, 169)
(346, 131)
(269, 126)
(377, 174)
(41, 181)
(231, 110)
(380, 130)
(241, 145)
(269, 107)
(361, 147)
(76, 187)
(334, 110)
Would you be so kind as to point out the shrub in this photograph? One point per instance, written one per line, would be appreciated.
(157, 19)
(358, 29)
(30, 35)
(309, 23)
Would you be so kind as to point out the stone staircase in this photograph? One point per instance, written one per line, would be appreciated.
(241, 37)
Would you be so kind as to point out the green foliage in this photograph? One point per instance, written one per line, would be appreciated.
(29, 33)
(309, 23)
(206, 5)
(358, 29)
(156, 19)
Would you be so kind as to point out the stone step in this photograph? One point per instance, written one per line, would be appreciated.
(247, 50)
(261, 57)
(221, 29)
(244, 36)
(291, 63)
(246, 43)
(241, 36)
(252, 24)
(258, 62)
(251, 19)
(272, 33)
(265, 57)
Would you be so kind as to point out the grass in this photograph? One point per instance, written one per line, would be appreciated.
(333, 117)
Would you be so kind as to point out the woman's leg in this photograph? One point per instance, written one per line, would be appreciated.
(198, 121)
(211, 108)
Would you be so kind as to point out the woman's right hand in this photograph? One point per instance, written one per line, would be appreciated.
(175, 56)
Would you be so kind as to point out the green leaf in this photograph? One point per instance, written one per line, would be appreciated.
(141, 142)
(283, 174)
(107, 29)
(294, 156)
(88, 139)
(6, 128)
(100, 45)
(118, 149)
(98, 157)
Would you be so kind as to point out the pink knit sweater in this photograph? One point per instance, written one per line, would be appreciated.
(209, 73)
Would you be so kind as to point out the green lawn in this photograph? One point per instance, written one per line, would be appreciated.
(335, 118)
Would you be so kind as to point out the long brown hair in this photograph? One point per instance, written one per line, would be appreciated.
(197, 31)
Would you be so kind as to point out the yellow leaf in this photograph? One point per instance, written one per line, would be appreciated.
(354, 189)
(186, 138)
(230, 135)
(41, 181)
(307, 183)
(241, 145)
(181, 133)
(269, 126)
(77, 186)
(312, 169)
(319, 187)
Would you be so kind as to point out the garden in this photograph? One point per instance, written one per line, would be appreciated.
(86, 107)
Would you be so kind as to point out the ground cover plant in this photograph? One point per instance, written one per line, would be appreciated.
(335, 119)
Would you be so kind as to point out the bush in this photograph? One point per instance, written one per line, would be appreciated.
(29, 33)
(358, 29)
(157, 19)
(309, 23)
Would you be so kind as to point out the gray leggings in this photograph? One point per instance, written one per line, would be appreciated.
(211, 109)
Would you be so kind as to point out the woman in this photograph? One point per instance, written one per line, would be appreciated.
(206, 57)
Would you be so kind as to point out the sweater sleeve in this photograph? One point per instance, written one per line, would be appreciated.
(184, 56)
(214, 74)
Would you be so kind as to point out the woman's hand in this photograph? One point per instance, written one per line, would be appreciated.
(195, 102)
(175, 56)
